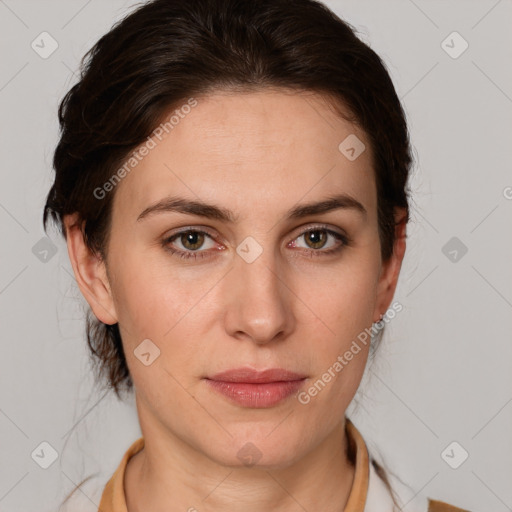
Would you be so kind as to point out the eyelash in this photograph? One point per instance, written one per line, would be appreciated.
(346, 241)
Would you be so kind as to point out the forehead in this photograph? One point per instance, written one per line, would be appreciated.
(241, 150)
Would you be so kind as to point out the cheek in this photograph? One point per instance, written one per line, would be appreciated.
(151, 295)
(341, 303)
(168, 306)
(342, 338)
(341, 330)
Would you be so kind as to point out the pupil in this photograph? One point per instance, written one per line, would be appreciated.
(318, 235)
(191, 238)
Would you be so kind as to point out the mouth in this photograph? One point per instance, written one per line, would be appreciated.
(256, 389)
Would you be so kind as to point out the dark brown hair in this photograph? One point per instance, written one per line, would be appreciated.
(167, 51)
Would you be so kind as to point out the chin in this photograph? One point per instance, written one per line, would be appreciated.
(257, 451)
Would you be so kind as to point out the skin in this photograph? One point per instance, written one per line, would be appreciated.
(289, 308)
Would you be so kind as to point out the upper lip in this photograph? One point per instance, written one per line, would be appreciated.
(251, 375)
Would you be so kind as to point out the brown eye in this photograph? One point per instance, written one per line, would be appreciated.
(316, 239)
(189, 243)
(192, 240)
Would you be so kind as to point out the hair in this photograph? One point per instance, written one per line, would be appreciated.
(168, 51)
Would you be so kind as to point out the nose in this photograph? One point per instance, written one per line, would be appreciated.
(260, 308)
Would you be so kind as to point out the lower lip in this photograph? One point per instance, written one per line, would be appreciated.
(256, 395)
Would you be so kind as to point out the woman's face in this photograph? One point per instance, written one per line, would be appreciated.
(247, 286)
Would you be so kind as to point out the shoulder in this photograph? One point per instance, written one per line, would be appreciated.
(379, 498)
(101, 488)
(441, 506)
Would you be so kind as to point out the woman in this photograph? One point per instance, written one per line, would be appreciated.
(231, 180)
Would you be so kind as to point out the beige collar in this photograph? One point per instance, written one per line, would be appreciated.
(113, 497)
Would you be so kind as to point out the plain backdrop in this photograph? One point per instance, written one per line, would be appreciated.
(443, 373)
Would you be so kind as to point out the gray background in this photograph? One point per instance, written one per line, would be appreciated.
(443, 373)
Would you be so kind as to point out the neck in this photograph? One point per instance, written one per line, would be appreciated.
(168, 474)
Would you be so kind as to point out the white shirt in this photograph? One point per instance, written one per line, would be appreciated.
(378, 498)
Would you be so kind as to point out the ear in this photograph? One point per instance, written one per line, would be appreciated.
(90, 272)
(391, 269)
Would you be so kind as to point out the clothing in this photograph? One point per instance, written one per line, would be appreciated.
(368, 494)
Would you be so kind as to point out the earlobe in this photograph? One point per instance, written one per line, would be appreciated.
(90, 273)
(391, 268)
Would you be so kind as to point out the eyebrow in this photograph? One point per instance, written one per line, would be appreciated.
(211, 211)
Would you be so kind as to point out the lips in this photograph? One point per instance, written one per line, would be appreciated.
(256, 388)
(251, 376)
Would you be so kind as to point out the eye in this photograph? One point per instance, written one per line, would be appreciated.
(316, 240)
(191, 241)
